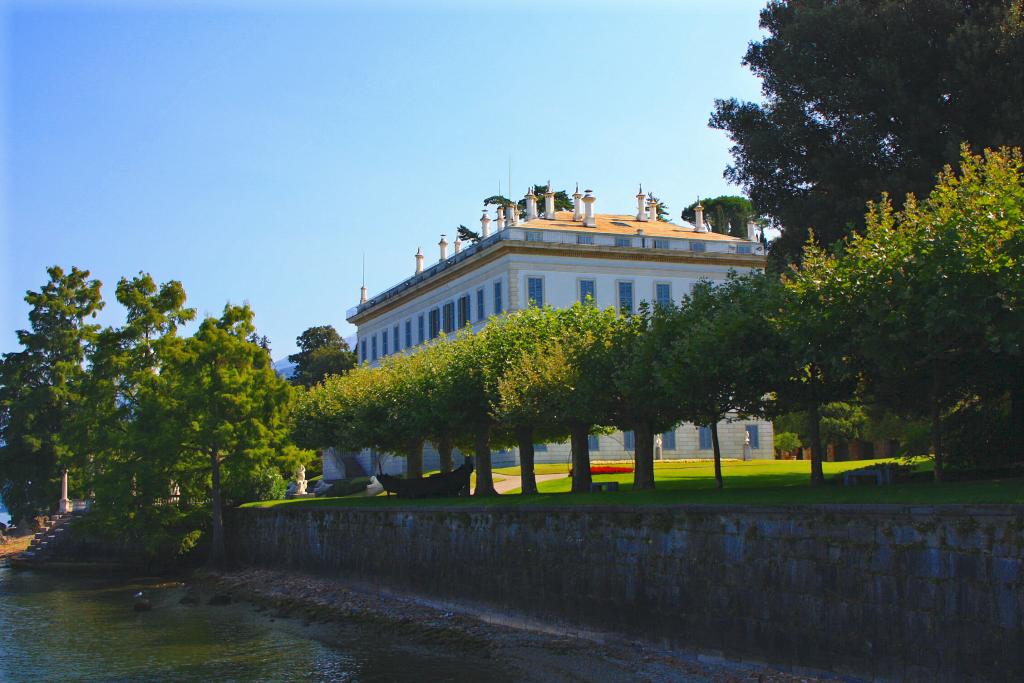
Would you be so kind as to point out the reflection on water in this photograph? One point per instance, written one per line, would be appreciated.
(55, 627)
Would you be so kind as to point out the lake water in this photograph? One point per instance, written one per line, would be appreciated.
(61, 628)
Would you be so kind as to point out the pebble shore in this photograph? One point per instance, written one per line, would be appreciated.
(527, 654)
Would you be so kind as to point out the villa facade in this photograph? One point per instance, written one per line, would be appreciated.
(558, 258)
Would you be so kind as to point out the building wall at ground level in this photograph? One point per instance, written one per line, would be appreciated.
(886, 592)
(688, 446)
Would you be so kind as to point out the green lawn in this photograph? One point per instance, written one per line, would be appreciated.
(762, 482)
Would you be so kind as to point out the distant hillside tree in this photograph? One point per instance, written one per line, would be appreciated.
(322, 352)
(727, 215)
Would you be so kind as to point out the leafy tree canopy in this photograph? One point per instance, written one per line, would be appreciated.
(865, 97)
(40, 390)
(322, 352)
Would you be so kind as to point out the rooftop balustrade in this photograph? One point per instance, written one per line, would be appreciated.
(565, 237)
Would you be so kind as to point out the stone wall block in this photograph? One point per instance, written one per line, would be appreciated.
(890, 592)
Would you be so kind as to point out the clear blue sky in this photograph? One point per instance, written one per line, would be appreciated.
(256, 154)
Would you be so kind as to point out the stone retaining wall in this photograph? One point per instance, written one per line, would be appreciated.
(889, 592)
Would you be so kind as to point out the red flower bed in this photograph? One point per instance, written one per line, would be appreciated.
(608, 469)
(611, 469)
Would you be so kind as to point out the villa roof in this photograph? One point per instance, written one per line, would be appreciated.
(624, 225)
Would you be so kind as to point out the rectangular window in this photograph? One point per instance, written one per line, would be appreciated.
(629, 440)
(398, 341)
(663, 294)
(497, 298)
(535, 291)
(408, 333)
(420, 330)
(698, 246)
(540, 448)
(668, 441)
(588, 290)
(448, 315)
(584, 239)
(744, 249)
(373, 347)
(704, 436)
(362, 350)
(384, 343)
(435, 323)
(464, 310)
(480, 304)
(661, 244)
(593, 442)
(534, 236)
(755, 438)
(626, 297)
(623, 241)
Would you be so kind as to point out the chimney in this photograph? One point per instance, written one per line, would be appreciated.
(641, 214)
(444, 247)
(500, 223)
(752, 230)
(485, 225)
(458, 245)
(531, 205)
(549, 203)
(699, 220)
(577, 214)
(652, 206)
(419, 260)
(588, 209)
(512, 214)
(362, 294)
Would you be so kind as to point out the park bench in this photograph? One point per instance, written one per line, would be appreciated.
(882, 476)
(599, 486)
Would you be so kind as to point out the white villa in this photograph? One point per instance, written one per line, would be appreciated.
(557, 258)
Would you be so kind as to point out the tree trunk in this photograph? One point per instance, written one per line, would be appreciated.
(936, 422)
(217, 526)
(580, 459)
(1017, 419)
(817, 473)
(524, 437)
(444, 451)
(484, 477)
(643, 461)
(414, 461)
(717, 448)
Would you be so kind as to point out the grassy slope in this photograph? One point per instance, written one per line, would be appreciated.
(764, 482)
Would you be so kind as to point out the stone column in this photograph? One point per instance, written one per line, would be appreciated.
(64, 506)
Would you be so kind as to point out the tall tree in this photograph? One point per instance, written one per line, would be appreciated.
(814, 347)
(641, 403)
(586, 334)
(40, 390)
(534, 362)
(322, 352)
(727, 214)
(865, 97)
(932, 293)
(717, 355)
(230, 406)
(120, 428)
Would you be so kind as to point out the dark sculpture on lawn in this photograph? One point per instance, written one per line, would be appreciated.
(440, 485)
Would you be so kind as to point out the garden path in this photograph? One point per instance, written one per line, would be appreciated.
(512, 482)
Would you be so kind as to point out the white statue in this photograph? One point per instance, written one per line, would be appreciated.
(300, 481)
(746, 447)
